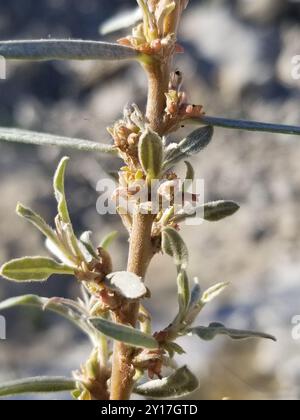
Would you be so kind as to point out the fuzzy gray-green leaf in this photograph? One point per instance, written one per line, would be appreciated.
(218, 210)
(174, 246)
(151, 154)
(37, 385)
(65, 49)
(179, 384)
(190, 174)
(213, 292)
(197, 303)
(191, 145)
(30, 269)
(62, 207)
(195, 294)
(128, 285)
(59, 189)
(215, 329)
(127, 335)
(14, 135)
(183, 292)
(212, 212)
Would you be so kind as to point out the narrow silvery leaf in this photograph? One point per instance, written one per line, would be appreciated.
(13, 135)
(36, 385)
(218, 210)
(213, 292)
(107, 241)
(191, 145)
(62, 207)
(128, 285)
(195, 294)
(183, 293)
(196, 141)
(212, 212)
(37, 221)
(248, 125)
(56, 49)
(121, 21)
(127, 335)
(179, 384)
(190, 174)
(174, 246)
(215, 329)
(51, 305)
(151, 154)
(59, 189)
(33, 269)
(208, 296)
(164, 9)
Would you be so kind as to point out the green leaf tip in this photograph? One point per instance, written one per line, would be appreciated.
(59, 190)
(62, 207)
(37, 221)
(198, 301)
(213, 292)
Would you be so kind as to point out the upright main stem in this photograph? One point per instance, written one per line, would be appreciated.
(141, 248)
(158, 84)
(140, 254)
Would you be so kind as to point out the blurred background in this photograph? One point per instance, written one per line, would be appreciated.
(238, 64)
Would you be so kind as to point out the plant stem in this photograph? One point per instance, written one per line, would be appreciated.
(140, 254)
(141, 248)
(158, 83)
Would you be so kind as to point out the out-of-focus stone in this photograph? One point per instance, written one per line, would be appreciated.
(262, 11)
(236, 49)
(288, 66)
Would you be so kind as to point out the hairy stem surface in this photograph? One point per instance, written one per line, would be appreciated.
(140, 254)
